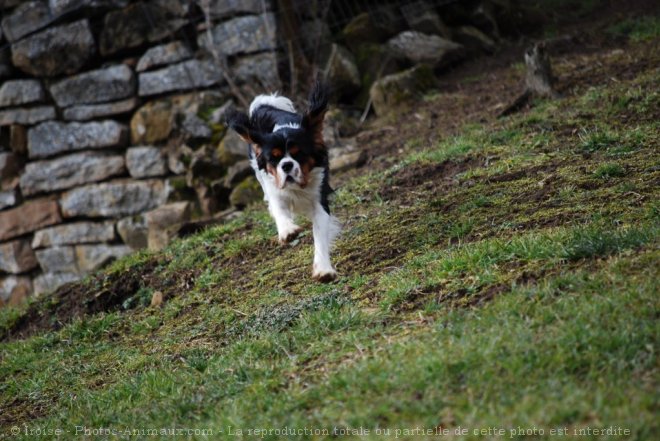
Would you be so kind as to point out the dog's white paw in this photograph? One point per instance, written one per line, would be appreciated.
(286, 235)
(324, 275)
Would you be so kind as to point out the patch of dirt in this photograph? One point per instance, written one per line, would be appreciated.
(257, 256)
(523, 173)
(77, 299)
(20, 409)
(379, 256)
(427, 177)
(462, 298)
(553, 221)
(486, 295)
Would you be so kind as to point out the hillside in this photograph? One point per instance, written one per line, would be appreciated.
(494, 273)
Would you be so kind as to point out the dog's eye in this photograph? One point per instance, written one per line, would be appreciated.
(293, 150)
(276, 153)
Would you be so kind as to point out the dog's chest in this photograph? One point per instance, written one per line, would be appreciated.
(298, 200)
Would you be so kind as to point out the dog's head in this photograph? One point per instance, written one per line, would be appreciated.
(290, 153)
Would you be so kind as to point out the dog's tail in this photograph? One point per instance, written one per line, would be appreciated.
(273, 100)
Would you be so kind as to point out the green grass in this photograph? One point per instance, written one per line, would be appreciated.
(502, 277)
(609, 170)
(637, 29)
(473, 268)
(596, 140)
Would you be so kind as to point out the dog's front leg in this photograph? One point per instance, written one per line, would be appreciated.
(287, 230)
(325, 230)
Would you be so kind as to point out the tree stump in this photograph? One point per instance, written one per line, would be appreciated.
(539, 80)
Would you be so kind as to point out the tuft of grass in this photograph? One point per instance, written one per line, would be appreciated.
(141, 298)
(460, 229)
(504, 137)
(609, 170)
(277, 318)
(592, 241)
(9, 316)
(596, 140)
(449, 148)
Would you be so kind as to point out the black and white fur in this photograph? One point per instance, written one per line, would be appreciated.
(290, 161)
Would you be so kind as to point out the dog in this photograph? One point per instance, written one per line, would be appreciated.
(290, 160)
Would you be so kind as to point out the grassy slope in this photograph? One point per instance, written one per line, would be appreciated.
(503, 277)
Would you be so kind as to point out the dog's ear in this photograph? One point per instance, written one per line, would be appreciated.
(240, 123)
(318, 105)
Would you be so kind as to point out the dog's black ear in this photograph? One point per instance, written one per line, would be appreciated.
(318, 105)
(240, 123)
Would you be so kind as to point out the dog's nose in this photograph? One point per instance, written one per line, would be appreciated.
(287, 166)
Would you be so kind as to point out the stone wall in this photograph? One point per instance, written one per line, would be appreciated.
(102, 149)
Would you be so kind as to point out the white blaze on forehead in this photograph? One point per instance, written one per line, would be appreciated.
(290, 125)
(279, 102)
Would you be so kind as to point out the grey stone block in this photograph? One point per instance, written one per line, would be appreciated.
(114, 199)
(97, 86)
(69, 171)
(51, 138)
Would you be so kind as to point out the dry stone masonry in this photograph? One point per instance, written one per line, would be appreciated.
(111, 111)
(98, 103)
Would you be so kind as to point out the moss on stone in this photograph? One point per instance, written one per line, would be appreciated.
(246, 192)
(393, 91)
